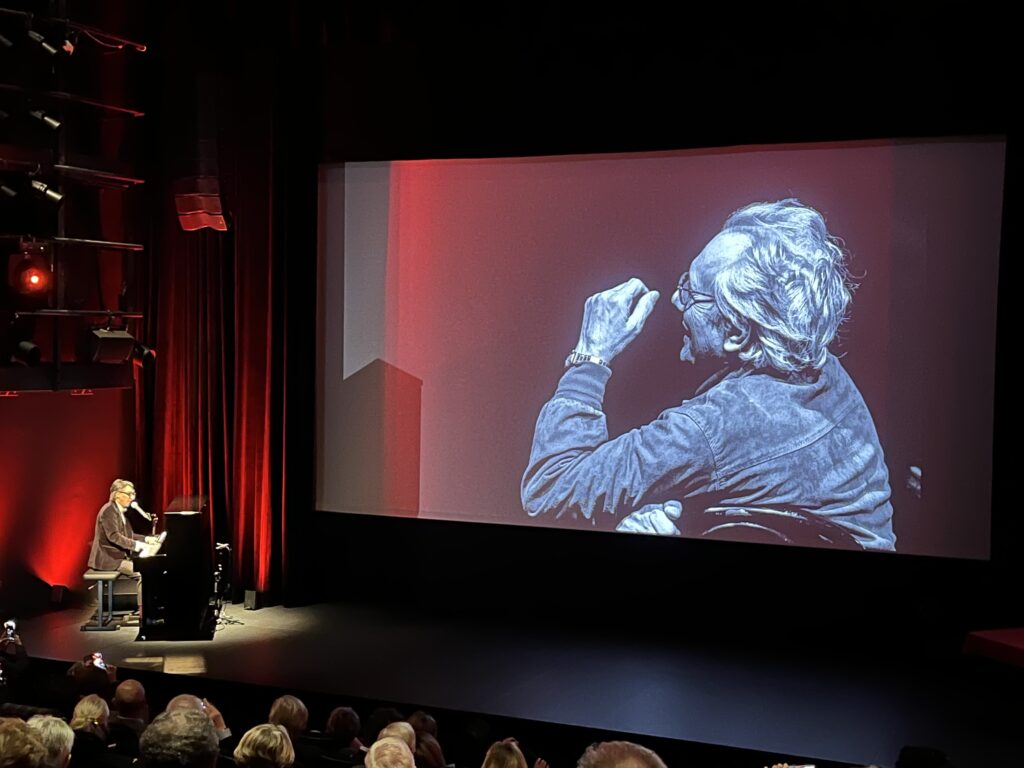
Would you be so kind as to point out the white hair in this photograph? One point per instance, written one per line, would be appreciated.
(789, 291)
(57, 737)
(119, 485)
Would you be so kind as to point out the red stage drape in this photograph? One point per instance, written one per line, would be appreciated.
(218, 405)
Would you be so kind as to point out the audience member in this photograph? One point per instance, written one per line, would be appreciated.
(57, 737)
(20, 747)
(390, 753)
(89, 723)
(428, 751)
(265, 746)
(180, 738)
(399, 730)
(619, 754)
(421, 722)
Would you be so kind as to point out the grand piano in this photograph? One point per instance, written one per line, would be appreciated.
(177, 576)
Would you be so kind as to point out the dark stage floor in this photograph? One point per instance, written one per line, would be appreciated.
(843, 709)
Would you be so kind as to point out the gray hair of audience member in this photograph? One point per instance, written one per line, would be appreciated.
(504, 754)
(91, 714)
(343, 724)
(265, 746)
(291, 713)
(789, 290)
(185, 701)
(130, 700)
(399, 730)
(390, 752)
(20, 746)
(57, 738)
(181, 738)
(619, 754)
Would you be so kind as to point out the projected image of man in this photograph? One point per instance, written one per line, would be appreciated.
(781, 425)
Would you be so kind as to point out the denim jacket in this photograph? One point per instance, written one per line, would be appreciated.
(751, 438)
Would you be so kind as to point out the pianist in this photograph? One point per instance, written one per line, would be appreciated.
(115, 542)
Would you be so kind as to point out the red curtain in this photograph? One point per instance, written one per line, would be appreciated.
(218, 406)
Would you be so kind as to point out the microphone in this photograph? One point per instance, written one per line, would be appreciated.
(135, 505)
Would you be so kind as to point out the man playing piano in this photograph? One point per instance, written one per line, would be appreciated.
(115, 542)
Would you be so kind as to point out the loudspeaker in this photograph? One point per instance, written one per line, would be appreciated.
(254, 600)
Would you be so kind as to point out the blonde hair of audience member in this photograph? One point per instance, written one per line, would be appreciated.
(57, 738)
(504, 754)
(91, 715)
(428, 752)
(619, 754)
(20, 746)
(265, 746)
(399, 730)
(291, 713)
(390, 752)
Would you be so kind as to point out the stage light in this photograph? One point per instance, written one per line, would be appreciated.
(32, 276)
(145, 356)
(50, 122)
(109, 345)
(38, 38)
(26, 353)
(47, 192)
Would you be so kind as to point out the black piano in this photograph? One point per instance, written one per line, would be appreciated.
(177, 582)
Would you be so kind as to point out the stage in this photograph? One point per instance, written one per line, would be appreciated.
(848, 710)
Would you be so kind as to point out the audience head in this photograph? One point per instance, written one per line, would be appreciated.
(291, 713)
(343, 725)
(265, 746)
(57, 738)
(504, 754)
(130, 700)
(91, 715)
(390, 752)
(421, 722)
(399, 730)
(619, 754)
(428, 752)
(377, 720)
(20, 746)
(88, 679)
(179, 738)
(185, 701)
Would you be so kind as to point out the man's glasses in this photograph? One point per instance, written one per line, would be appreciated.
(687, 297)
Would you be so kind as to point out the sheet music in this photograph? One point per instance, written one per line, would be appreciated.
(148, 550)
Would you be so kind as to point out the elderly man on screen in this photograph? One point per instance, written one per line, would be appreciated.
(781, 425)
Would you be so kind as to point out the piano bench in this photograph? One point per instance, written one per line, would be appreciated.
(103, 620)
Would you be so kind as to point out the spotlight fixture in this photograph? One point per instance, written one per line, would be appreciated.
(27, 353)
(143, 355)
(45, 190)
(50, 122)
(31, 276)
(38, 38)
(109, 345)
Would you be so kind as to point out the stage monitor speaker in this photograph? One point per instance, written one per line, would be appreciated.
(254, 600)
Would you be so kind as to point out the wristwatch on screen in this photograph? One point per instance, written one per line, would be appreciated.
(575, 358)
